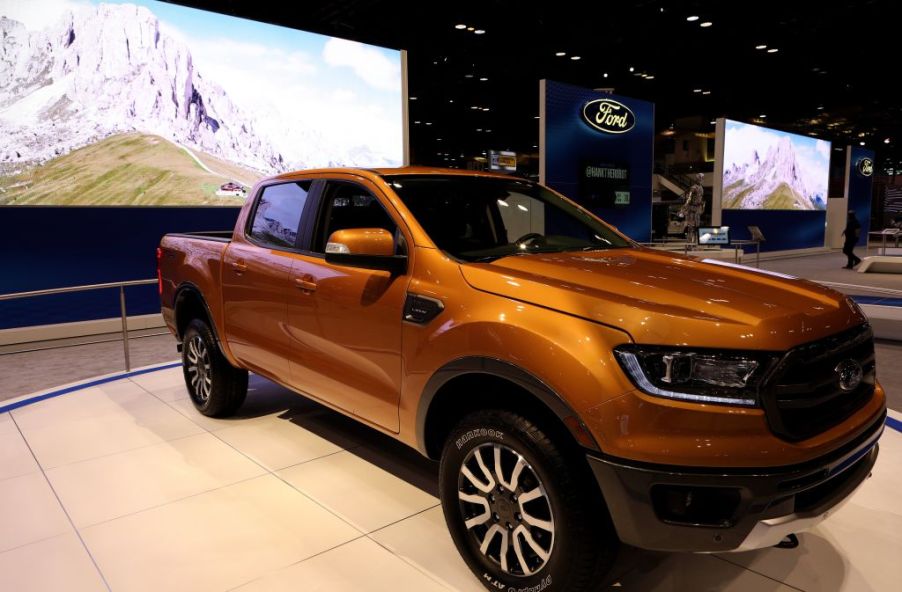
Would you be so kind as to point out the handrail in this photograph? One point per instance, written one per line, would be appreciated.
(85, 288)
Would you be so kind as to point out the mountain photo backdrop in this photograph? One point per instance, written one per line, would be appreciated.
(766, 169)
(148, 103)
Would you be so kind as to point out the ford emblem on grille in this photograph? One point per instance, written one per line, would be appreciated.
(850, 374)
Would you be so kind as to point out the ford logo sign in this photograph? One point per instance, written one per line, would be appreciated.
(609, 116)
(850, 374)
(866, 167)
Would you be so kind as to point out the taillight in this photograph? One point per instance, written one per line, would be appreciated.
(159, 272)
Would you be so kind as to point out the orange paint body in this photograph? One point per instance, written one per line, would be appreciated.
(335, 332)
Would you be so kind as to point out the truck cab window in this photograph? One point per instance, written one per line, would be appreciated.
(348, 205)
(278, 213)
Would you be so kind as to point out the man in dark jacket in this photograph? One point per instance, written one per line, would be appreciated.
(852, 232)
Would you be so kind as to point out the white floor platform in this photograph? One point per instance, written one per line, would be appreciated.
(123, 486)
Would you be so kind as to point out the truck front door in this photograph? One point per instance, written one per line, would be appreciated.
(344, 323)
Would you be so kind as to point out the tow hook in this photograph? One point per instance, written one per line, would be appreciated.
(790, 541)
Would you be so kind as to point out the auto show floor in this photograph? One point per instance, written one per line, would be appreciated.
(124, 486)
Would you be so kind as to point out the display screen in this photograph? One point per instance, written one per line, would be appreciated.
(147, 103)
(714, 235)
(604, 184)
(766, 169)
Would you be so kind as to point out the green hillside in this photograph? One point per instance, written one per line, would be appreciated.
(783, 198)
(125, 169)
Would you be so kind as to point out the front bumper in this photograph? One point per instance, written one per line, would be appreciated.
(670, 508)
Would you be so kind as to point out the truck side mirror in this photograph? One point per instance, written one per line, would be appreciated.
(368, 248)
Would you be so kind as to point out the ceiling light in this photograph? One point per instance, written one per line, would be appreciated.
(488, 131)
(605, 74)
(485, 108)
(706, 24)
(468, 76)
(461, 26)
(413, 98)
(471, 28)
(561, 54)
(478, 129)
(762, 46)
(713, 121)
(697, 90)
(886, 141)
(417, 122)
(450, 100)
(535, 146)
(428, 123)
(763, 116)
(691, 19)
(574, 57)
(773, 50)
(483, 79)
(536, 117)
(820, 107)
(479, 31)
(862, 143)
(706, 92)
(650, 77)
(438, 139)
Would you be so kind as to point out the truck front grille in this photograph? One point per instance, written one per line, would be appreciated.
(804, 395)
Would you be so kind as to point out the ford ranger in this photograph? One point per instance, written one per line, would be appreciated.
(581, 392)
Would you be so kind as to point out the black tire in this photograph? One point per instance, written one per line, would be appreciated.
(581, 547)
(217, 388)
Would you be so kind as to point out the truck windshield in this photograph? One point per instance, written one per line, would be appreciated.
(482, 219)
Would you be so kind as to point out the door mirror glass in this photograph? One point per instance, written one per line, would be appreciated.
(361, 241)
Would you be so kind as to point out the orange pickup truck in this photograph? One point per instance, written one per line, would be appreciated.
(580, 391)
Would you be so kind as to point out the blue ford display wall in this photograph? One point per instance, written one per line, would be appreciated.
(52, 247)
(597, 149)
(859, 184)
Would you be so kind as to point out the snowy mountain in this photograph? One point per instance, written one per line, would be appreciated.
(775, 182)
(109, 69)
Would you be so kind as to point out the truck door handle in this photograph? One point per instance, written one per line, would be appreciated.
(239, 266)
(305, 284)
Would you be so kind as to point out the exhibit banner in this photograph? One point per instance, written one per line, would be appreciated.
(597, 148)
(771, 180)
(123, 121)
(149, 103)
(859, 186)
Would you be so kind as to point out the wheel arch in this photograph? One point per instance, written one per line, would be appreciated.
(459, 388)
(189, 303)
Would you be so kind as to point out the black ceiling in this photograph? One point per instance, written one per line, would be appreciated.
(833, 74)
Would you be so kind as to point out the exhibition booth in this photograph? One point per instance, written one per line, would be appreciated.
(454, 379)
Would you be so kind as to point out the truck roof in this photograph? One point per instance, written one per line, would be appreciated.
(407, 170)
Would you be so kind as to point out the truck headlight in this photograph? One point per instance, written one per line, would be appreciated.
(701, 376)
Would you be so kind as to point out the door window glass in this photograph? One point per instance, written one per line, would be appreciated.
(278, 213)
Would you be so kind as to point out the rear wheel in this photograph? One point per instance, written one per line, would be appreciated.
(521, 511)
(217, 388)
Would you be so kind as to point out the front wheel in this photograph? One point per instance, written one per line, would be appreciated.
(217, 388)
(521, 511)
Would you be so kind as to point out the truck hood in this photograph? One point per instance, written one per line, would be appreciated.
(665, 299)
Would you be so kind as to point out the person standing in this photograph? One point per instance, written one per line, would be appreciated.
(852, 232)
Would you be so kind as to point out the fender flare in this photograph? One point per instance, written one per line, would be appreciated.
(189, 287)
(491, 367)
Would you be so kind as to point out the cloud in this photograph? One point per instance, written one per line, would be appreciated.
(368, 63)
(37, 15)
(823, 148)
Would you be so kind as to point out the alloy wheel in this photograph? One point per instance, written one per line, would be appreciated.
(199, 368)
(506, 509)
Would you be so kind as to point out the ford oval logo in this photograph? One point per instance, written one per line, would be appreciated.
(850, 374)
(609, 116)
(866, 167)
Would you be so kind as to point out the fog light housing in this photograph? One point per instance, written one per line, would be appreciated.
(696, 506)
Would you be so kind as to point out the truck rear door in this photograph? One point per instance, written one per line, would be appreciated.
(255, 278)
